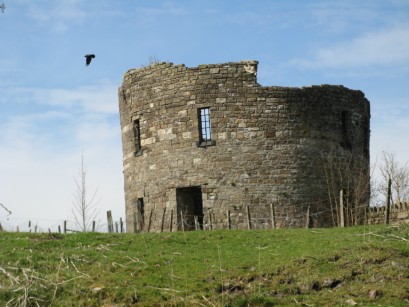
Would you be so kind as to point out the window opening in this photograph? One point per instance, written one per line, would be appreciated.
(205, 134)
(366, 137)
(137, 137)
(346, 127)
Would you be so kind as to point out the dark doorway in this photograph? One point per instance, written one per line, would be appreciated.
(189, 208)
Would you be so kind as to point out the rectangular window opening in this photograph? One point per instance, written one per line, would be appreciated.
(346, 127)
(366, 138)
(205, 133)
(137, 137)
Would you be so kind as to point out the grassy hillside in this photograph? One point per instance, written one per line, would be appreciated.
(305, 267)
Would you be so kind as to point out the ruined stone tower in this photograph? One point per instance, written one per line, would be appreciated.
(209, 147)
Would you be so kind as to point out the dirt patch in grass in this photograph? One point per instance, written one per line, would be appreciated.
(363, 275)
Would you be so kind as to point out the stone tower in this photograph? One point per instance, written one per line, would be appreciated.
(206, 146)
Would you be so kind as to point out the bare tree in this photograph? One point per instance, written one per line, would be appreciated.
(390, 168)
(84, 209)
(5, 208)
(350, 174)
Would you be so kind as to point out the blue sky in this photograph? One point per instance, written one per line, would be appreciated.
(53, 107)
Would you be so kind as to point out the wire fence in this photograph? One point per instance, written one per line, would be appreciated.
(169, 220)
(59, 226)
(338, 217)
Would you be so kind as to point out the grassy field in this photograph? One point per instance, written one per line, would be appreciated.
(367, 265)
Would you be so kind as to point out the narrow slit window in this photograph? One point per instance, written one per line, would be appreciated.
(137, 136)
(141, 211)
(366, 133)
(346, 127)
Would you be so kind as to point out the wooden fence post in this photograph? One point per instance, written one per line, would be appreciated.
(59, 229)
(388, 201)
(248, 217)
(110, 223)
(171, 220)
(341, 209)
(163, 219)
(150, 220)
(273, 218)
(181, 221)
(307, 220)
(228, 219)
(65, 226)
(210, 219)
(116, 227)
(121, 224)
(135, 222)
(366, 216)
(93, 226)
(197, 226)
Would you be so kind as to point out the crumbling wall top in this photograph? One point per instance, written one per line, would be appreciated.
(250, 66)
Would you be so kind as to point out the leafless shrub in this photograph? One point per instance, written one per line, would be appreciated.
(391, 168)
(84, 209)
(350, 174)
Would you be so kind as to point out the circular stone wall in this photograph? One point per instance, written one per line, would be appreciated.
(207, 143)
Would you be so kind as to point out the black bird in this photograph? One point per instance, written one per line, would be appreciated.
(89, 58)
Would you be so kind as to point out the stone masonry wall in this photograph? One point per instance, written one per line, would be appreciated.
(399, 214)
(266, 143)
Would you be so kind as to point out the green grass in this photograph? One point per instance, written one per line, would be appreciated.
(298, 267)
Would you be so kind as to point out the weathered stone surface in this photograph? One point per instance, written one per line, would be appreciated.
(267, 143)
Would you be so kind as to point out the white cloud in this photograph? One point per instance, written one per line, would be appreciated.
(167, 8)
(61, 15)
(99, 98)
(258, 19)
(40, 152)
(154, 15)
(58, 15)
(51, 117)
(339, 16)
(389, 130)
(7, 65)
(97, 129)
(39, 185)
(382, 49)
(28, 130)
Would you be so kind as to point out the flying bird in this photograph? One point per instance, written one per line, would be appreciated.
(2, 7)
(88, 58)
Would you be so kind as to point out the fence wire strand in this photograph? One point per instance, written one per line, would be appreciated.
(162, 220)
